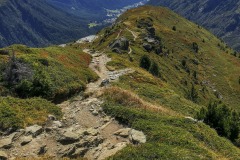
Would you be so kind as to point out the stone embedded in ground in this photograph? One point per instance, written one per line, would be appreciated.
(92, 132)
(123, 132)
(51, 117)
(89, 141)
(18, 134)
(137, 137)
(95, 112)
(34, 130)
(106, 119)
(57, 124)
(3, 155)
(25, 140)
(6, 143)
(67, 151)
(68, 137)
(107, 152)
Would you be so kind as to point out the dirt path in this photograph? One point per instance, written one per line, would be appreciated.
(118, 34)
(130, 50)
(133, 33)
(85, 129)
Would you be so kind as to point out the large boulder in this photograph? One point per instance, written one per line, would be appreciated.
(148, 47)
(6, 142)
(120, 44)
(68, 137)
(137, 137)
(151, 30)
(25, 140)
(34, 130)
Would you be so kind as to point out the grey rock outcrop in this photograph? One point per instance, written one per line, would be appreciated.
(68, 137)
(151, 30)
(137, 137)
(121, 44)
(123, 132)
(6, 143)
(25, 140)
(148, 47)
(34, 130)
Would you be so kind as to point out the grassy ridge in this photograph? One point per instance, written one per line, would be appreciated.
(168, 136)
(217, 70)
(212, 70)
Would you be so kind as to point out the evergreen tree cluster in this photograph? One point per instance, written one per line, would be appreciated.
(223, 119)
(149, 65)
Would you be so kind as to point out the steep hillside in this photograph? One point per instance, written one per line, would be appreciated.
(186, 68)
(188, 56)
(221, 17)
(36, 23)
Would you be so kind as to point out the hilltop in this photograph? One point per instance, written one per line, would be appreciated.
(219, 16)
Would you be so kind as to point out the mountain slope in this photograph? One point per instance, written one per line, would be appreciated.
(221, 17)
(36, 23)
(188, 56)
(162, 70)
(210, 70)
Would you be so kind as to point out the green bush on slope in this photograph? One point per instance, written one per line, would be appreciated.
(224, 120)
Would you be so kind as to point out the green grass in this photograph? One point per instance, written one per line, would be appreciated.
(17, 113)
(217, 70)
(168, 136)
(58, 73)
(63, 70)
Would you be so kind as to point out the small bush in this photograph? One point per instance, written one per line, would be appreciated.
(193, 94)
(145, 62)
(154, 69)
(174, 28)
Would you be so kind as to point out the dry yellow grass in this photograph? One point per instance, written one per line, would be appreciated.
(127, 98)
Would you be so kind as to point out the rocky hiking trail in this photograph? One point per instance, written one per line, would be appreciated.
(85, 130)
